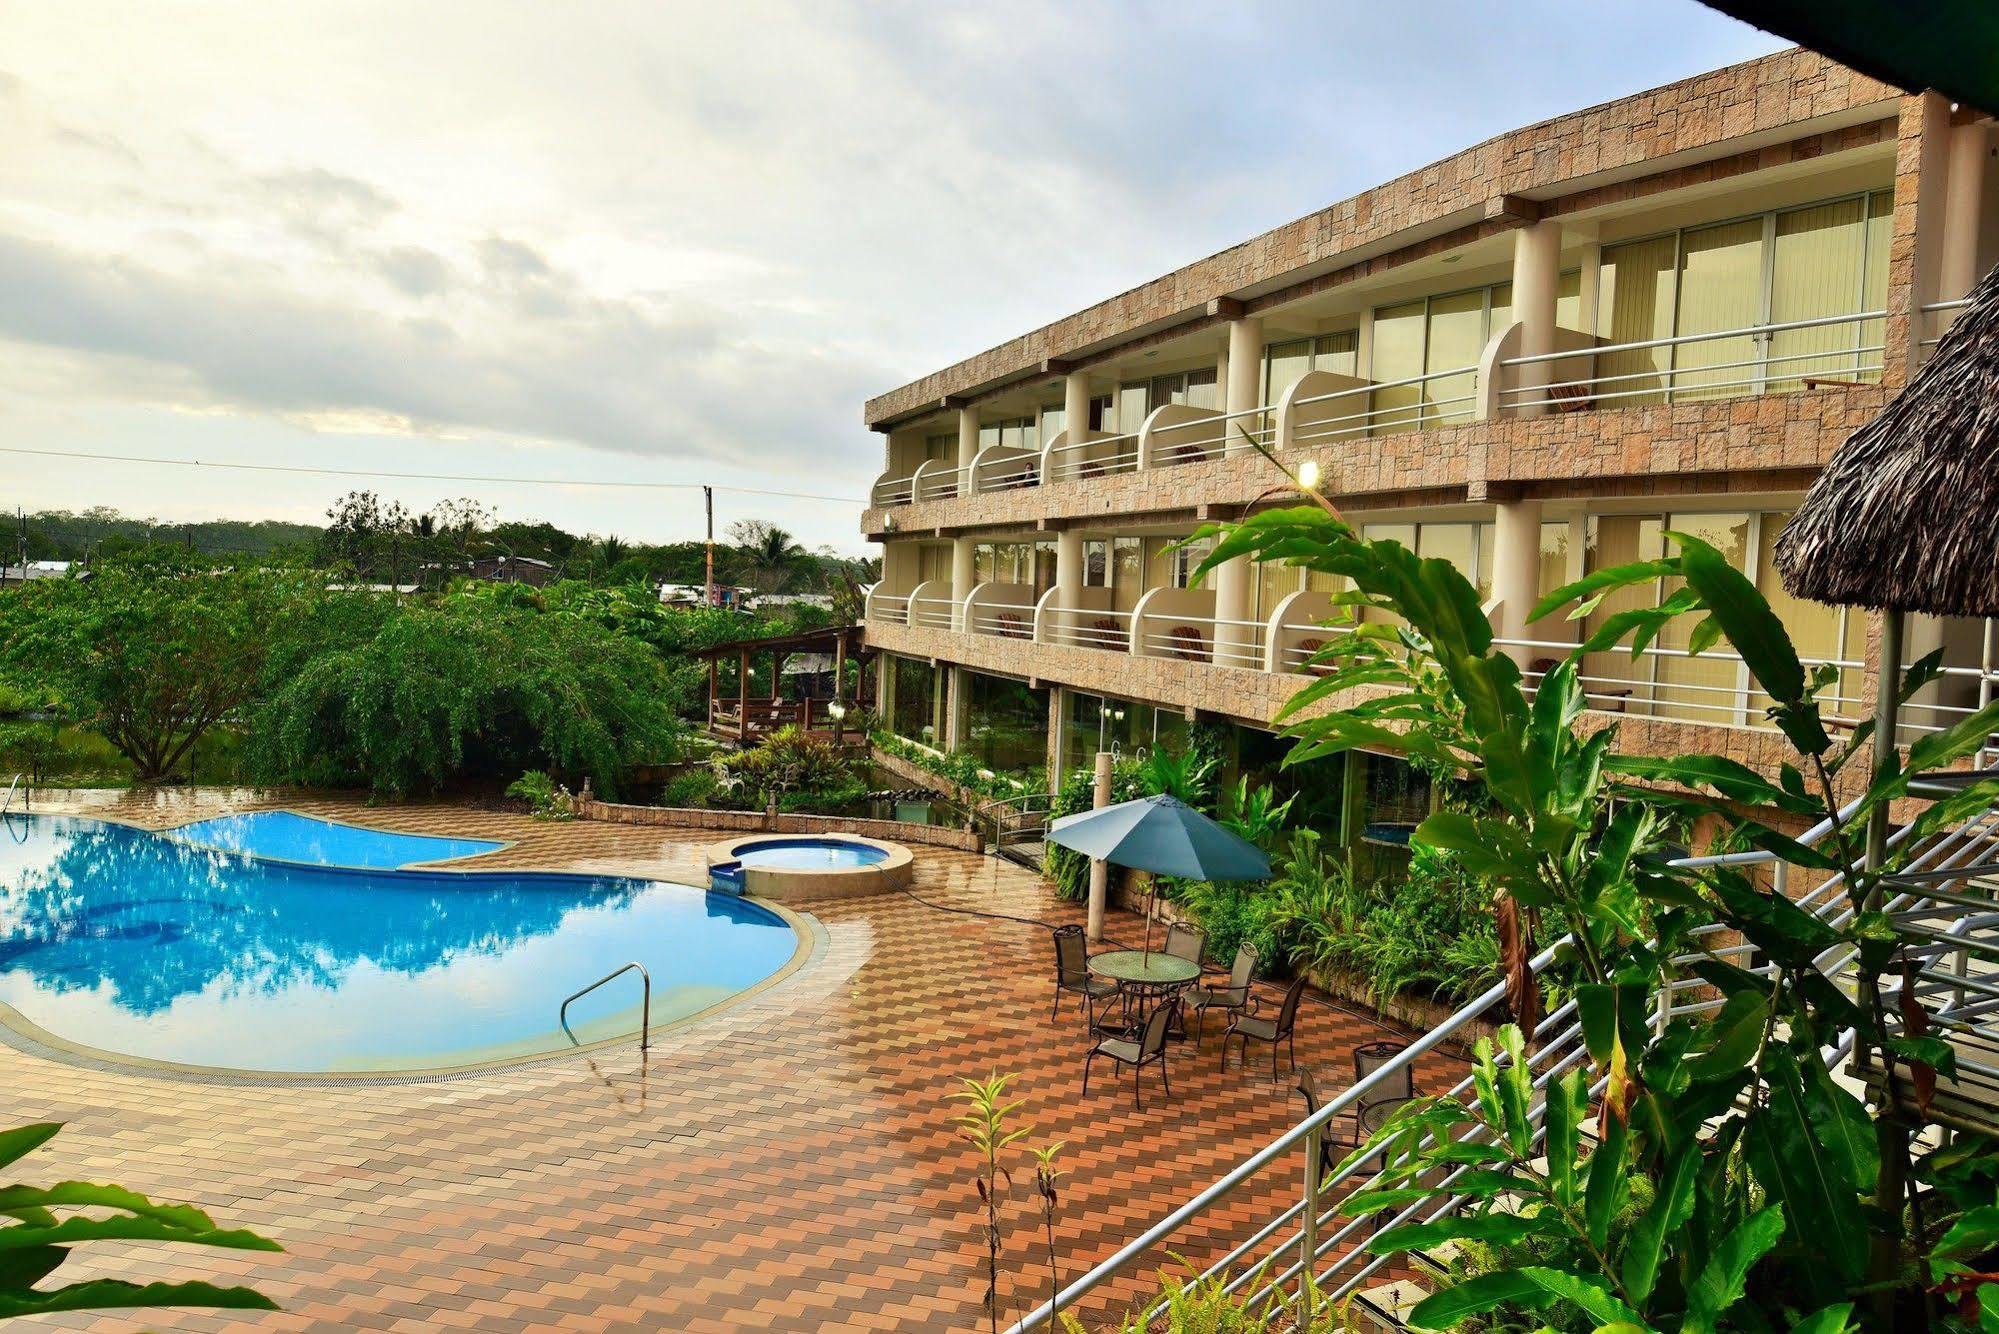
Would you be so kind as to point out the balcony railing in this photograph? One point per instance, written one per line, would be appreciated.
(1674, 370)
(1583, 374)
(1661, 682)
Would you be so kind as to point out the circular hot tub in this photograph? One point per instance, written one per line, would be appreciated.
(791, 866)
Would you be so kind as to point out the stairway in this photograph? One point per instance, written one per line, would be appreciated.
(1947, 904)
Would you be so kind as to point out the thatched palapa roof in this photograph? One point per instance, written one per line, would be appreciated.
(1906, 515)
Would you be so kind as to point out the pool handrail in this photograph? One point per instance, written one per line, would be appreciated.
(645, 1011)
(7, 804)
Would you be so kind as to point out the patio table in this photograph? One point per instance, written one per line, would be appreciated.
(1143, 980)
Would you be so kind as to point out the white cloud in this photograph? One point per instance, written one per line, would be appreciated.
(676, 238)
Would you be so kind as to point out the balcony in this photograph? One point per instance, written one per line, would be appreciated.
(1697, 379)
(1172, 649)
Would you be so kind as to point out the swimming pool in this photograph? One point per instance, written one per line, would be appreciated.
(149, 946)
(287, 836)
(808, 854)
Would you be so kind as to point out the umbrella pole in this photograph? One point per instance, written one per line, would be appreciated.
(1151, 888)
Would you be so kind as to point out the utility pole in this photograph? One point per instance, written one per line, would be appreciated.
(708, 499)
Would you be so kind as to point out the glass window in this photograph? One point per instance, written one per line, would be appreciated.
(1006, 723)
(1704, 688)
(1721, 287)
(1127, 572)
(1103, 411)
(1043, 575)
(1285, 364)
(985, 568)
(1554, 558)
(1336, 352)
(913, 700)
(1817, 268)
(1051, 423)
(1187, 559)
(1635, 298)
(940, 447)
(1275, 581)
(1615, 677)
(1131, 407)
(933, 562)
(1096, 563)
(1398, 355)
(1437, 334)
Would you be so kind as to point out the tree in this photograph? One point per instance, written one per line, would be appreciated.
(772, 556)
(153, 655)
(1772, 1194)
(487, 681)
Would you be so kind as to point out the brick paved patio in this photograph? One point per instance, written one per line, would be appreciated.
(789, 1164)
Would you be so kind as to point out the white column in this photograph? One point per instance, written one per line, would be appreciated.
(1068, 581)
(1076, 406)
(961, 579)
(1516, 573)
(1537, 271)
(1235, 644)
(968, 449)
(1958, 269)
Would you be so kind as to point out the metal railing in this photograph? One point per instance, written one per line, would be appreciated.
(13, 787)
(1762, 372)
(933, 613)
(895, 490)
(1369, 416)
(1086, 458)
(1194, 638)
(1307, 1237)
(888, 609)
(1087, 627)
(1006, 621)
(944, 485)
(645, 1004)
(1220, 436)
(1926, 345)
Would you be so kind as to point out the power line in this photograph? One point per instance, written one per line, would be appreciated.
(422, 476)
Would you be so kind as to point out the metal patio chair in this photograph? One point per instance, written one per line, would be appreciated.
(1148, 1048)
(1230, 999)
(1072, 974)
(1280, 1029)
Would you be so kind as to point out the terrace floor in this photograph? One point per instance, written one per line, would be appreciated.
(789, 1164)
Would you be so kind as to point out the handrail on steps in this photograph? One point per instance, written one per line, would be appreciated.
(6, 804)
(1309, 1131)
(645, 1012)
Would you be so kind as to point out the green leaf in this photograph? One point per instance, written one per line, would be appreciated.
(25, 1139)
(1567, 1103)
(1730, 778)
(1975, 1232)
(1732, 1037)
(1590, 1294)
(1834, 1319)
(1671, 1208)
(1753, 629)
(1476, 1296)
(1793, 1165)
(1720, 1283)
(1843, 1124)
(29, 1265)
(1592, 587)
(110, 1294)
(1609, 1182)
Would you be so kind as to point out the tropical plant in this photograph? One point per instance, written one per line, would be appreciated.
(984, 1124)
(789, 761)
(546, 799)
(44, 1223)
(1778, 1194)
(1186, 775)
(771, 556)
(1197, 1305)
(1046, 1174)
(1252, 811)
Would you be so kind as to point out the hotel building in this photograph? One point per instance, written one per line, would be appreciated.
(1531, 358)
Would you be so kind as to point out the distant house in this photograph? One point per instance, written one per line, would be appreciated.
(497, 570)
(823, 601)
(730, 596)
(35, 569)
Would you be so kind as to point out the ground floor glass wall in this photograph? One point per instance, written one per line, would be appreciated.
(1006, 723)
(915, 700)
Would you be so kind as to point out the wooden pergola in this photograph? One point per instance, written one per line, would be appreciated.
(741, 719)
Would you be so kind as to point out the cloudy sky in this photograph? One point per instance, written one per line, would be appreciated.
(662, 242)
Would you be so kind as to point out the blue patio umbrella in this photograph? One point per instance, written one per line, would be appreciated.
(1165, 836)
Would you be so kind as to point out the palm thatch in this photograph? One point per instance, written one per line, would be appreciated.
(1906, 516)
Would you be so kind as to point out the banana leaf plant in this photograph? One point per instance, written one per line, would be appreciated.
(1767, 1194)
(43, 1223)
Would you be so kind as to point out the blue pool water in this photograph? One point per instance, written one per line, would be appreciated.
(146, 945)
(807, 854)
(290, 837)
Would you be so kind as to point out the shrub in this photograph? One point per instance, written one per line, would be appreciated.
(547, 800)
(789, 761)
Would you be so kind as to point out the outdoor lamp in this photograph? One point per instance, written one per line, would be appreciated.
(1308, 475)
(837, 709)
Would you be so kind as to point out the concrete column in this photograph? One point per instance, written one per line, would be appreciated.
(1537, 270)
(1516, 573)
(957, 708)
(1922, 138)
(1100, 875)
(1068, 578)
(1957, 266)
(1237, 645)
(961, 579)
(968, 445)
(1076, 406)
